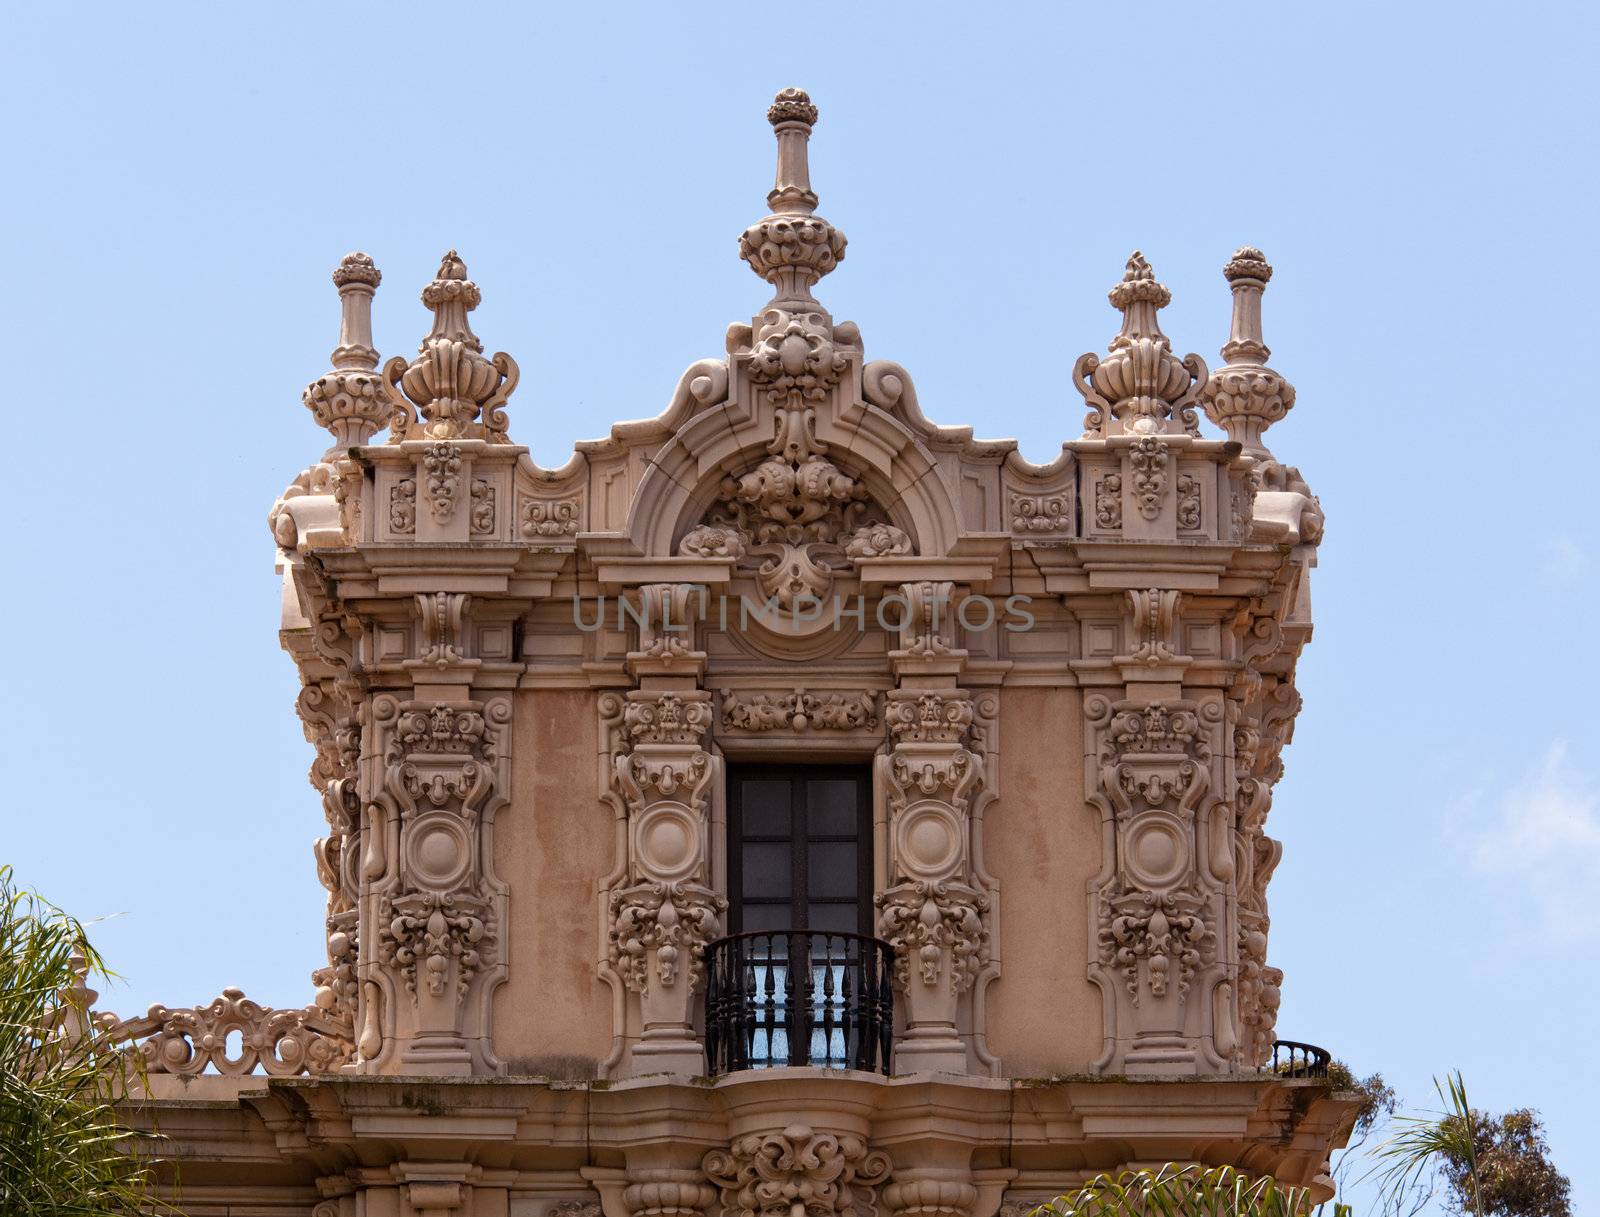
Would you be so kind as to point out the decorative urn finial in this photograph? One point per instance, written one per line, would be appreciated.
(349, 400)
(792, 248)
(1141, 385)
(450, 382)
(1246, 397)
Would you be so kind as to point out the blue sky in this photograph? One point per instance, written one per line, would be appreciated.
(182, 180)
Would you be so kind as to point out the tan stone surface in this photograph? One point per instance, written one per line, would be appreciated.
(1044, 847)
(551, 1017)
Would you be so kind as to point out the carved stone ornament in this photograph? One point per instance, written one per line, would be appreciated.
(1041, 512)
(350, 400)
(1141, 387)
(450, 383)
(549, 518)
(924, 919)
(1164, 929)
(281, 1042)
(797, 1173)
(441, 473)
(1108, 500)
(403, 507)
(916, 716)
(423, 931)
(757, 712)
(792, 248)
(797, 517)
(1148, 460)
(671, 921)
(1245, 397)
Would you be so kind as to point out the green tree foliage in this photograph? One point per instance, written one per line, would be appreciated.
(1491, 1166)
(1181, 1191)
(63, 1150)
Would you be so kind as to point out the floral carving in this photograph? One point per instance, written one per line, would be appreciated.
(708, 541)
(673, 920)
(424, 931)
(921, 920)
(483, 507)
(797, 1173)
(549, 517)
(1162, 928)
(280, 1042)
(1108, 501)
(1147, 461)
(1041, 512)
(1188, 501)
(403, 507)
(441, 470)
(799, 711)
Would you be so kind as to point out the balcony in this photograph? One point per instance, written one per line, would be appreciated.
(1292, 1059)
(799, 997)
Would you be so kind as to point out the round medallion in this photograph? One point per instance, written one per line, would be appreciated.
(1157, 852)
(667, 841)
(436, 850)
(928, 837)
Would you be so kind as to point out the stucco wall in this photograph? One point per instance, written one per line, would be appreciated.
(1043, 844)
(552, 845)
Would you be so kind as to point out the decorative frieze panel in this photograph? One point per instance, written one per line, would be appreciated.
(766, 712)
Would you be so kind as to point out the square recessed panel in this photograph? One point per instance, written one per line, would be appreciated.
(1100, 639)
(392, 645)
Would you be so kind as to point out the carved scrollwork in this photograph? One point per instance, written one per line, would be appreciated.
(281, 1043)
(672, 921)
(922, 920)
(1041, 512)
(549, 518)
(758, 712)
(403, 507)
(797, 516)
(421, 932)
(441, 475)
(1163, 929)
(797, 1173)
(923, 717)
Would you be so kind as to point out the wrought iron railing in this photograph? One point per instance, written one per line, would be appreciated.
(1291, 1059)
(799, 997)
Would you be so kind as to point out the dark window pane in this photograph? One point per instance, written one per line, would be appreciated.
(831, 807)
(764, 807)
(767, 917)
(839, 918)
(831, 868)
(767, 869)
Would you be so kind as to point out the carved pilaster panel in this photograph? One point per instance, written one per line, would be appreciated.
(1162, 902)
(934, 910)
(432, 908)
(662, 910)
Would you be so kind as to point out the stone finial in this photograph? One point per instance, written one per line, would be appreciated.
(792, 248)
(349, 400)
(1246, 397)
(450, 382)
(1141, 384)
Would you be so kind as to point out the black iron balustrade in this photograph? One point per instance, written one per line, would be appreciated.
(799, 997)
(1292, 1059)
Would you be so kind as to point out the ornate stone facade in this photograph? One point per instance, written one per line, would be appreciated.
(1067, 688)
